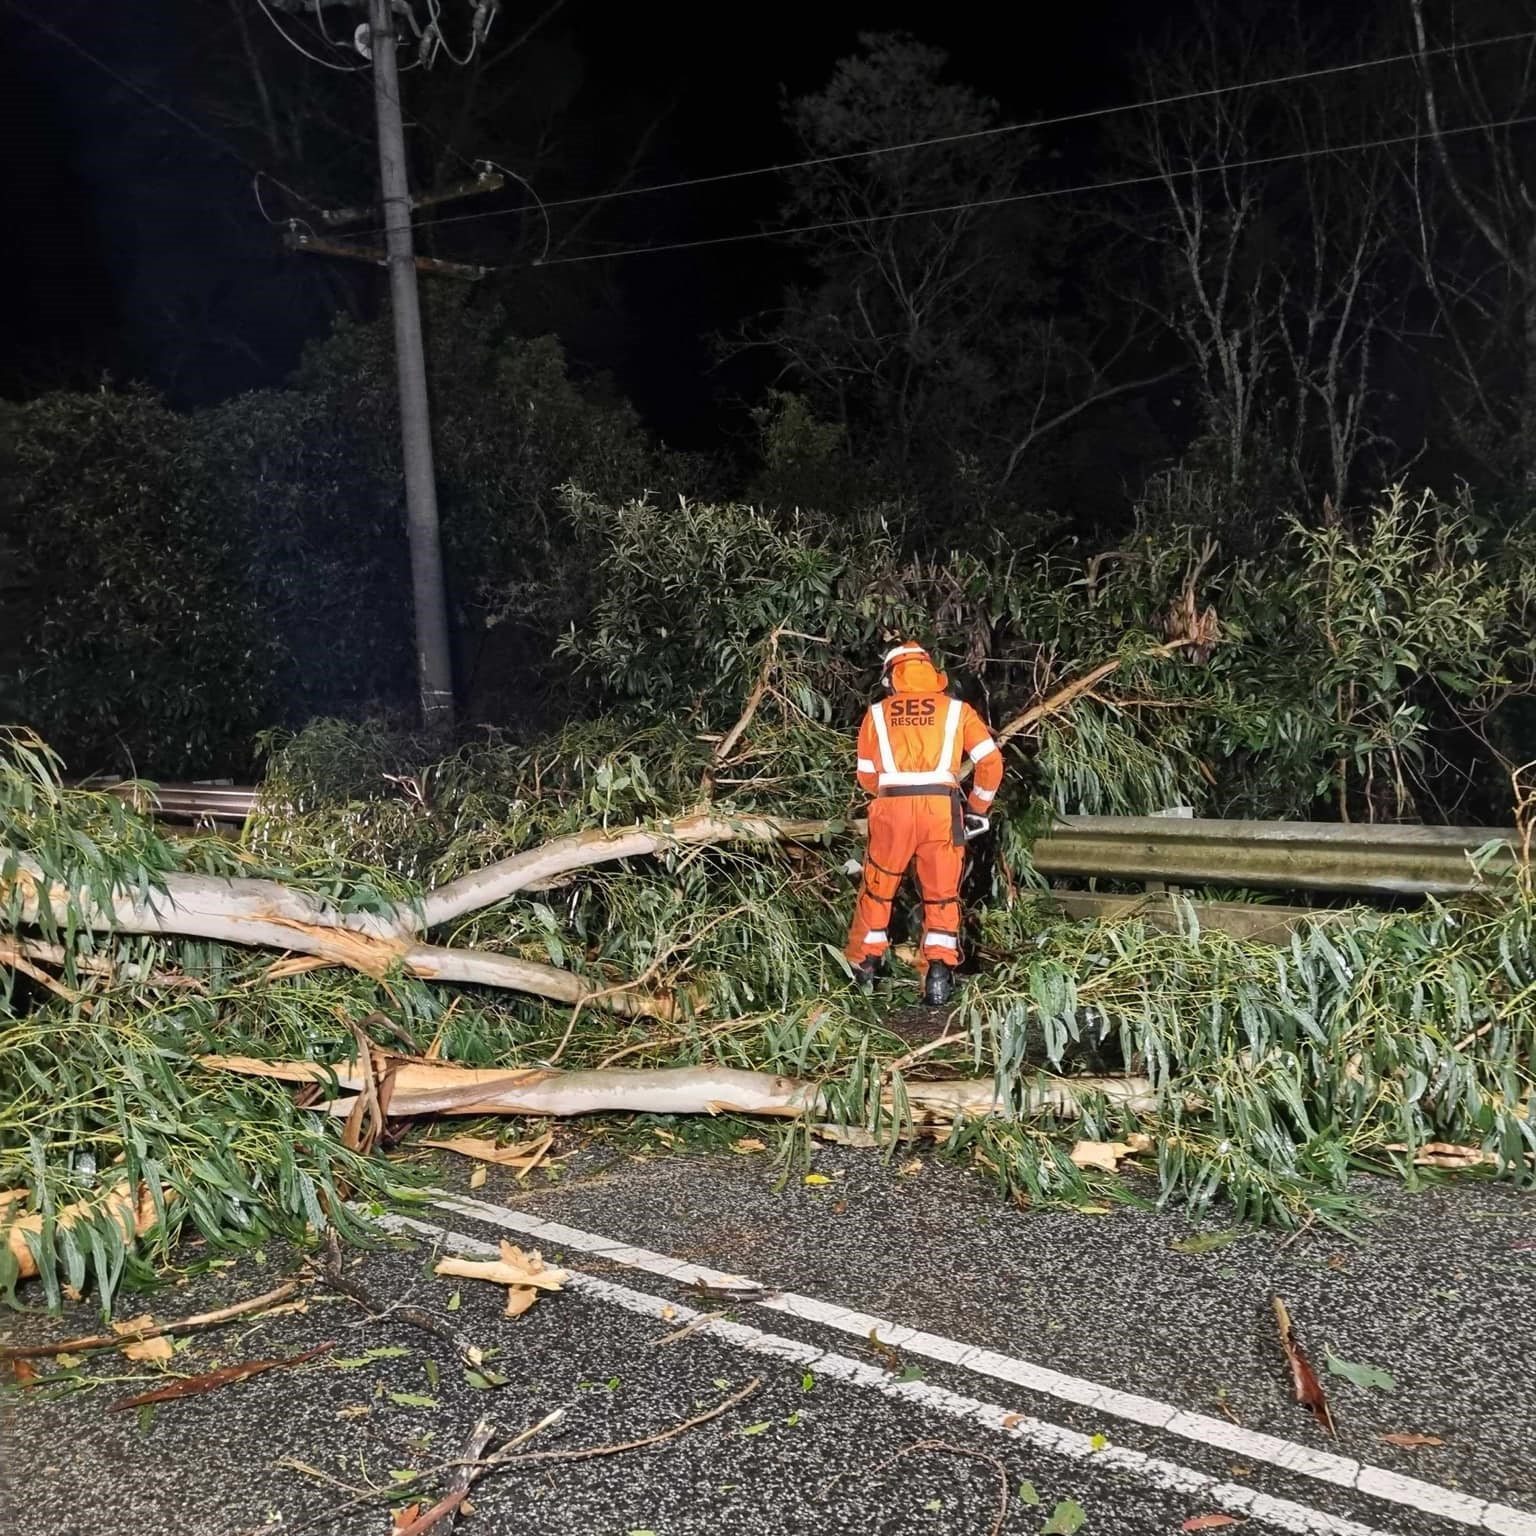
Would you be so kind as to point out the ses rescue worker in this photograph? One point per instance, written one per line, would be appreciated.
(910, 747)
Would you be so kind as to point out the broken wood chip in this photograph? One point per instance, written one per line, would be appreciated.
(1309, 1391)
(132, 1211)
(524, 1275)
(158, 1348)
(519, 1299)
(1108, 1155)
(888, 1353)
(1445, 1154)
(525, 1156)
(745, 1290)
(190, 1386)
(1413, 1442)
(143, 1339)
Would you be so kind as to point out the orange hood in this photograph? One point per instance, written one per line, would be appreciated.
(917, 674)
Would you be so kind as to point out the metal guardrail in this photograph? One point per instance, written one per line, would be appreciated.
(1367, 858)
(189, 802)
(1370, 858)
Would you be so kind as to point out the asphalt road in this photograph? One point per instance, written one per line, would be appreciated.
(1058, 1347)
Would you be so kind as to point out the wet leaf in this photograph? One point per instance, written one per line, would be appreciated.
(1203, 1242)
(911, 1373)
(1099, 1442)
(454, 1302)
(758, 1428)
(745, 1144)
(484, 1381)
(1309, 1390)
(933, 1506)
(191, 1386)
(414, 1400)
(817, 1178)
(1027, 1494)
(1066, 1519)
(1091, 1210)
(1209, 1522)
(404, 1518)
(1413, 1442)
(1361, 1373)
(807, 1382)
(383, 1352)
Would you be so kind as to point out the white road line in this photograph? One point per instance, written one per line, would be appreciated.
(1233, 1498)
(1251, 1445)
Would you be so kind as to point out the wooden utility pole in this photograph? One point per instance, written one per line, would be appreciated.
(434, 658)
(434, 663)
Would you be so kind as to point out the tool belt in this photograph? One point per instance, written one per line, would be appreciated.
(954, 794)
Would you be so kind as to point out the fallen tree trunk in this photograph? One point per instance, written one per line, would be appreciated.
(443, 1088)
(537, 866)
(267, 914)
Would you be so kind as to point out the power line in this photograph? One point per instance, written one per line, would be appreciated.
(208, 137)
(298, 47)
(1018, 197)
(1003, 128)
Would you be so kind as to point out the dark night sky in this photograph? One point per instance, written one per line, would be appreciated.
(117, 212)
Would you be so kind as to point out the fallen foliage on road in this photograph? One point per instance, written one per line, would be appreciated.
(643, 912)
(245, 1100)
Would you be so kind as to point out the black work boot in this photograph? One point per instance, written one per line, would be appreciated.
(938, 984)
(866, 971)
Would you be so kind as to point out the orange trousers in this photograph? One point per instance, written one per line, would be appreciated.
(901, 829)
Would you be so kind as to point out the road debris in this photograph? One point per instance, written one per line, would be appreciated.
(1108, 1155)
(191, 1386)
(509, 1456)
(146, 1328)
(524, 1156)
(944, 1447)
(446, 1511)
(523, 1274)
(744, 1292)
(334, 1276)
(1309, 1391)
(1361, 1373)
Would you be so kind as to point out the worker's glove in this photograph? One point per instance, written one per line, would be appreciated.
(976, 825)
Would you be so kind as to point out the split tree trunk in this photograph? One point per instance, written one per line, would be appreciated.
(444, 1088)
(268, 915)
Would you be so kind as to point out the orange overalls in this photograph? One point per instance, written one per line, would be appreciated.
(910, 747)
